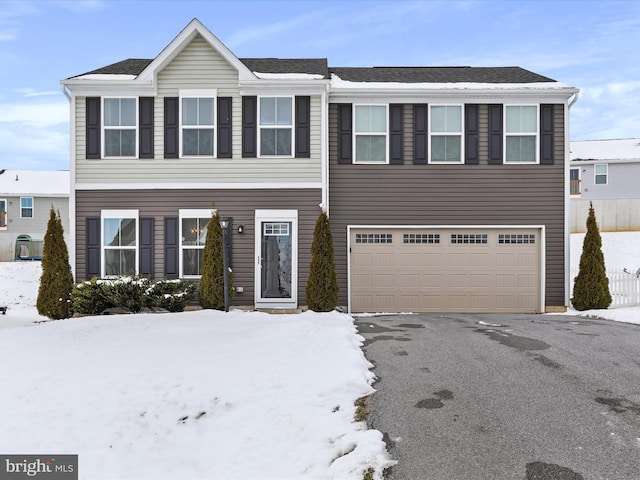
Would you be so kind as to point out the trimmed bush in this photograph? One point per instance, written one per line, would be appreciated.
(321, 292)
(591, 288)
(172, 295)
(88, 298)
(56, 281)
(127, 292)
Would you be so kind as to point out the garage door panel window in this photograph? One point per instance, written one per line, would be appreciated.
(516, 239)
(469, 238)
(421, 238)
(374, 238)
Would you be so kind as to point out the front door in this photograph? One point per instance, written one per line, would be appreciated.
(276, 277)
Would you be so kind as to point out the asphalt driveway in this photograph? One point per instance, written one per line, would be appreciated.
(513, 397)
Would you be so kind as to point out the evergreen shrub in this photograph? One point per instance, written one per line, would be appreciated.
(321, 292)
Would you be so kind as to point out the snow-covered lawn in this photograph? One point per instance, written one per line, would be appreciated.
(199, 395)
(195, 395)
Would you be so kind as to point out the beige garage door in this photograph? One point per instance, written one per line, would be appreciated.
(445, 270)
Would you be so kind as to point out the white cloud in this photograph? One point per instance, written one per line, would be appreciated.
(35, 114)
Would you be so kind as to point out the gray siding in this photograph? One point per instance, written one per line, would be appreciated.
(481, 194)
(622, 181)
(237, 204)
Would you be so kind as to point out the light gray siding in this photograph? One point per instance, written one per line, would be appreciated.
(240, 205)
(623, 181)
(199, 66)
(432, 194)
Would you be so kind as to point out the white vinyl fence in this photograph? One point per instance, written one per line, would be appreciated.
(624, 287)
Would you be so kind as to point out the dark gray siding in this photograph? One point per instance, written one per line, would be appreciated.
(237, 204)
(481, 194)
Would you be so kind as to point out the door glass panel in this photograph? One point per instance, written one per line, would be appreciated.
(277, 260)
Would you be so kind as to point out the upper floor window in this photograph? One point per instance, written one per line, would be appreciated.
(370, 130)
(193, 234)
(26, 207)
(119, 242)
(601, 171)
(3, 213)
(276, 126)
(120, 127)
(198, 123)
(521, 134)
(445, 134)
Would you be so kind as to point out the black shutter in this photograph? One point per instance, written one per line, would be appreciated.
(171, 247)
(495, 134)
(93, 127)
(249, 127)
(93, 247)
(471, 155)
(303, 127)
(171, 127)
(146, 127)
(420, 134)
(546, 134)
(146, 246)
(396, 136)
(225, 149)
(345, 145)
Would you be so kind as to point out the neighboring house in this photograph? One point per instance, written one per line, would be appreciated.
(446, 187)
(606, 173)
(26, 198)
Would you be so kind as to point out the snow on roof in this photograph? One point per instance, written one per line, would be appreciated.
(39, 183)
(106, 76)
(620, 149)
(288, 76)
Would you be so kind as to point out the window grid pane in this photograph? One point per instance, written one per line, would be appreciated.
(521, 119)
(421, 238)
(517, 238)
(371, 148)
(446, 119)
(445, 148)
(374, 238)
(371, 119)
(469, 238)
(521, 149)
(276, 229)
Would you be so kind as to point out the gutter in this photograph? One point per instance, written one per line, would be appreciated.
(574, 99)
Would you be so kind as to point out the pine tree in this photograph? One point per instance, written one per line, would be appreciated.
(591, 288)
(321, 293)
(212, 279)
(56, 281)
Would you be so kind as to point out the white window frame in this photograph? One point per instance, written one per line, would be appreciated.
(446, 134)
(208, 93)
(190, 213)
(104, 128)
(596, 174)
(536, 136)
(278, 127)
(121, 214)
(32, 207)
(371, 134)
(6, 213)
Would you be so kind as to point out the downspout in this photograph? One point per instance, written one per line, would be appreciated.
(567, 202)
(325, 150)
(72, 180)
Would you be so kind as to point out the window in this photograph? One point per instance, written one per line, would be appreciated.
(119, 242)
(276, 126)
(120, 127)
(601, 173)
(26, 207)
(466, 238)
(421, 238)
(3, 213)
(374, 238)
(197, 123)
(516, 238)
(574, 180)
(370, 134)
(445, 133)
(193, 234)
(521, 134)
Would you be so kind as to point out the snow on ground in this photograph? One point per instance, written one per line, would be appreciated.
(199, 395)
(195, 395)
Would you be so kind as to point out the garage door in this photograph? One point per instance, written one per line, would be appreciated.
(445, 270)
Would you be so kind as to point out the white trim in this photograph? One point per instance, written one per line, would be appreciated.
(520, 134)
(104, 128)
(190, 213)
(324, 151)
(567, 206)
(203, 185)
(109, 213)
(354, 133)
(276, 126)
(445, 134)
(276, 216)
(72, 180)
(543, 247)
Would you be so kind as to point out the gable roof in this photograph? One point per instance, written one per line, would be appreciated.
(34, 183)
(625, 149)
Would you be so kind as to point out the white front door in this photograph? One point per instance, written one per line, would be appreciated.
(276, 269)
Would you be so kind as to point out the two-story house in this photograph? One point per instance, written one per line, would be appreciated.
(606, 173)
(447, 188)
(26, 199)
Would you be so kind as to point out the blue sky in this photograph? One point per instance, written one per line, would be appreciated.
(592, 45)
